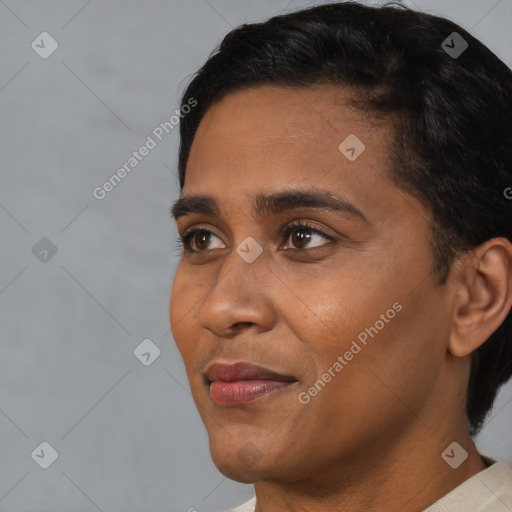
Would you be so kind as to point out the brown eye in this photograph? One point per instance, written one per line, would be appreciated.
(201, 239)
(300, 238)
(302, 235)
(197, 240)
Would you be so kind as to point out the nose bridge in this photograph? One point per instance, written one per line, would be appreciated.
(243, 271)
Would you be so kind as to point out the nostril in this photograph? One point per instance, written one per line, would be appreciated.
(237, 325)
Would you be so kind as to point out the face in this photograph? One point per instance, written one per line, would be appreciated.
(338, 299)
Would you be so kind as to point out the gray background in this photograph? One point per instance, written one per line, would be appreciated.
(128, 436)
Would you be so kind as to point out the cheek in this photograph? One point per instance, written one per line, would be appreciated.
(363, 314)
(185, 297)
(398, 365)
(375, 385)
(329, 308)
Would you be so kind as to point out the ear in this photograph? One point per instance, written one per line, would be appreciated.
(483, 298)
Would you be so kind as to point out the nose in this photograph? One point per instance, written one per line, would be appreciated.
(240, 299)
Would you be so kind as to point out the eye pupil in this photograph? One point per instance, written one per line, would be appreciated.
(300, 237)
(201, 237)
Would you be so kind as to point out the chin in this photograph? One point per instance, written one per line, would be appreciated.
(236, 470)
(240, 459)
(247, 463)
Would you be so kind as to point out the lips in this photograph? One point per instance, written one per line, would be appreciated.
(241, 383)
(243, 371)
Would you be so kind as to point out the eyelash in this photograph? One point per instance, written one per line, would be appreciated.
(286, 231)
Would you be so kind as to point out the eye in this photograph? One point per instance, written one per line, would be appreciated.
(198, 237)
(301, 234)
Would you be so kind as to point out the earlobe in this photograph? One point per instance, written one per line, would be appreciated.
(484, 295)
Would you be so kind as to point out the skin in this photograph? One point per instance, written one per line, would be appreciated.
(372, 438)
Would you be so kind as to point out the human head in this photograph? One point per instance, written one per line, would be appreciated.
(452, 147)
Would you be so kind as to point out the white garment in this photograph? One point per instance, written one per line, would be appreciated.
(248, 506)
(487, 491)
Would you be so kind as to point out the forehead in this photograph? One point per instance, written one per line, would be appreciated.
(282, 133)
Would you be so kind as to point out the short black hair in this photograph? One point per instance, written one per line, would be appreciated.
(452, 146)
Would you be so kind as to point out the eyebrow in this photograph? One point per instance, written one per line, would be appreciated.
(267, 204)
